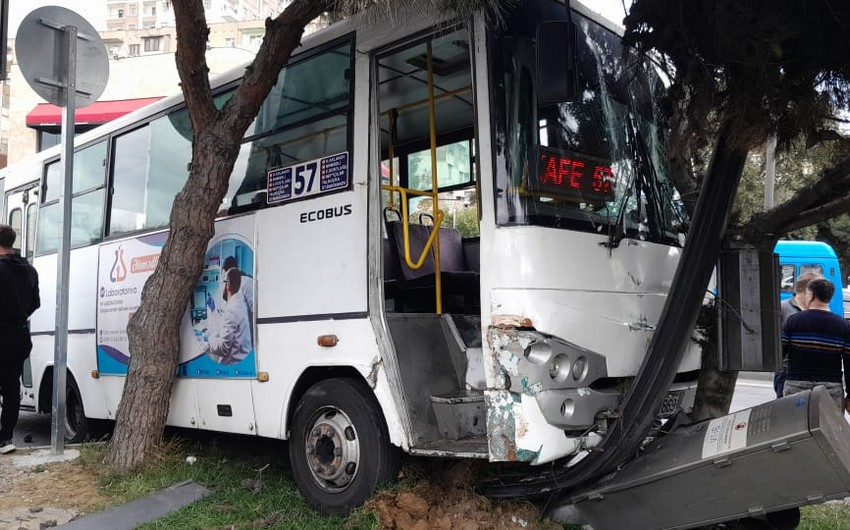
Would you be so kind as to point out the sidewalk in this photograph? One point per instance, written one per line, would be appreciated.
(15, 512)
(41, 490)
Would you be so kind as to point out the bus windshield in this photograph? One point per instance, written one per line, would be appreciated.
(595, 163)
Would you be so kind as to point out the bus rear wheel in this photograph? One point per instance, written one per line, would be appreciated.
(339, 448)
(77, 426)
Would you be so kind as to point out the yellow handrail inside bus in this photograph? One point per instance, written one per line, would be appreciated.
(418, 103)
(405, 230)
(438, 217)
(392, 115)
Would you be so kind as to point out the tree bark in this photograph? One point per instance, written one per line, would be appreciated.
(154, 331)
(715, 387)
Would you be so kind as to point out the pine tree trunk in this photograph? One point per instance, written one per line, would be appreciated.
(715, 387)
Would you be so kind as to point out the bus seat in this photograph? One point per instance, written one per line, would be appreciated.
(415, 290)
(392, 270)
(472, 253)
(418, 235)
(451, 251)
(458, 279)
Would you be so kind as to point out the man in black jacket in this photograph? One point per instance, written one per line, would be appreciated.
(18, 299)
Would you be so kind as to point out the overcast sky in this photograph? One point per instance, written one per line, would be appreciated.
(95, 10)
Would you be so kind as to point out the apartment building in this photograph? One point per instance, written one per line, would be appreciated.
(154, 14)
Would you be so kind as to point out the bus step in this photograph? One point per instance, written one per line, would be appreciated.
(460, 414)
(465, 448)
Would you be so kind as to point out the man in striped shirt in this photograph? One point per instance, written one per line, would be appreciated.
(816, 344)
(789, 307)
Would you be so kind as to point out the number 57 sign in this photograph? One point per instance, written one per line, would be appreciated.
(309, 178)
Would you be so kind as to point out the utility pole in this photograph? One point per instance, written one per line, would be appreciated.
(769, 171)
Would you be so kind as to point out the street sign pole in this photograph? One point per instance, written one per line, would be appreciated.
(60, 355)
(64, 61)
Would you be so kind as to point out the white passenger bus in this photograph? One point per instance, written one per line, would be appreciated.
(435, 252)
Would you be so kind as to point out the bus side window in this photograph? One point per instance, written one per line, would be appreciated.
(306, 116)
(86, 202)
(813, 268)
(16, 221)
(149, 168)
(788, 278)
(32, 210)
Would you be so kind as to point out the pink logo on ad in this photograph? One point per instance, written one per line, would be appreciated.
(119, 269)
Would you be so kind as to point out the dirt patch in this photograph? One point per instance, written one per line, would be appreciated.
(427, 508)
(432, 494)
(36, 496)
(61, 485)
(449, 503)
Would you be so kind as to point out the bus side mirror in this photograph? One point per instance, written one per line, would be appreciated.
(556, 64)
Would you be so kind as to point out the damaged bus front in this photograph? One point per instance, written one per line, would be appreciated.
(588, 233)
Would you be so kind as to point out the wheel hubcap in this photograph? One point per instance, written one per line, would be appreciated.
(332, 449)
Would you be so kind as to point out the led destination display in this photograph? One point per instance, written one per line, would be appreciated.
(572, 175)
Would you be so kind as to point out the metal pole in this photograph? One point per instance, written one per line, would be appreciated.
(60, 356)
(769, 171)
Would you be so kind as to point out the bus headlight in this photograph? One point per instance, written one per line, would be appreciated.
(580, 368)
(538, 352)
(559, 368)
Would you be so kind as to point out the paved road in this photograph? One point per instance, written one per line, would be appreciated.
(752, 389)
(34, 427)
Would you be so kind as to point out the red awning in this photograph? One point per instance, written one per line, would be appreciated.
(97, 113)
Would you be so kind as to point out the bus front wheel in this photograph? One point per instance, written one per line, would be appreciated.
(339, 448)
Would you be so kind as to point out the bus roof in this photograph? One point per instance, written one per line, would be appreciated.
(804, 249)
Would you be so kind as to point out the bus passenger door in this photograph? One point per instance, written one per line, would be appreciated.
(21, 207)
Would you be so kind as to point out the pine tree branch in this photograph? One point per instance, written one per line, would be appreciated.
(192, 34)
(283, 35)
(808, 206)
(818, 214)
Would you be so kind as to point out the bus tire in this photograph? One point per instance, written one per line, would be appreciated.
(76, 424)
(339, 446)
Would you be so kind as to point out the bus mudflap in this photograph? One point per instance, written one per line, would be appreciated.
(765, 460)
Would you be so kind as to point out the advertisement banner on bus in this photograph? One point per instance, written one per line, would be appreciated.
(217, 334)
